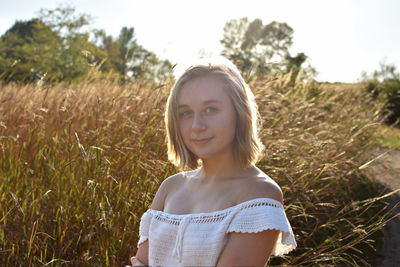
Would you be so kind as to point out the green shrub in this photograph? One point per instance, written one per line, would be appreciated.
(388, 93)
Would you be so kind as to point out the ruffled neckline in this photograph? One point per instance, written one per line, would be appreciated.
(249, 203)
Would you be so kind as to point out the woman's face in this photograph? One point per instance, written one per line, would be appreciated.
(207, 119)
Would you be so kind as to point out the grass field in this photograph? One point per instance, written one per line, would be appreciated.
(79, 164)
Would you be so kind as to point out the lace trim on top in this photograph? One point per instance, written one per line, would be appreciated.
(213, 216)
(247, 217)
(203, 217)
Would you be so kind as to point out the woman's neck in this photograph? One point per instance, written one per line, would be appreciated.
(223, 169)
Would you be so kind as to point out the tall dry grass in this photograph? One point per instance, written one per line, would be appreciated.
(314, 140)
(79, 164)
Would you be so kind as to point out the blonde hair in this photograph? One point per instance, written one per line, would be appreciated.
(246, 144)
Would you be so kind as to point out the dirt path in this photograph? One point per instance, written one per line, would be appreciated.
(386, 170)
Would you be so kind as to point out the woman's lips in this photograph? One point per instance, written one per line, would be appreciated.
(201, 141)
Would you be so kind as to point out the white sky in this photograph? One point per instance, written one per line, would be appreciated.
(342, 37)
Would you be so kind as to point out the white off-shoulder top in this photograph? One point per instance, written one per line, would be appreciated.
(198, 239)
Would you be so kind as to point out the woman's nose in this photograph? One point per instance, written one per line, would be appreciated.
(198, 122)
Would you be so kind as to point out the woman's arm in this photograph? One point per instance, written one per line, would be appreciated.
(252, 249)
(248, 249)
(142, 253)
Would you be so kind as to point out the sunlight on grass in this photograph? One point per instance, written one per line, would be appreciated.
(387, 136)
(79, 165)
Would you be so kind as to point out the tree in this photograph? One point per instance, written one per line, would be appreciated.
(110, 47)
(29, 49)
(53, 45)
(293, 66)
(257, 48)
(119, 51)
(57, 46)
(131, 60)
(64, 21)
(147, 66)
(383, 85)
(79, 54)
(126, 44)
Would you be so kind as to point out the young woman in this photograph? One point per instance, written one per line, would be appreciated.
(223, 210)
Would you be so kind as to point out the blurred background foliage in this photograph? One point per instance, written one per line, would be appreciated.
(56, 46)
(384, 86)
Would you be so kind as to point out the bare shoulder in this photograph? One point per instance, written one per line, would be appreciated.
(173, 181)
(165, 187)
(263, 186)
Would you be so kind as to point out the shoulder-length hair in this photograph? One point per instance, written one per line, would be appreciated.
(246, 144)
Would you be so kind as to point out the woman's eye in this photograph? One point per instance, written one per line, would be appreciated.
(184, 113)
(210, 109)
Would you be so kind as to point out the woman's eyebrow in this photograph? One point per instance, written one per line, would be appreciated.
(212, 101)
(207, 102)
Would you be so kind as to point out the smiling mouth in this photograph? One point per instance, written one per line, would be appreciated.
(201, 141)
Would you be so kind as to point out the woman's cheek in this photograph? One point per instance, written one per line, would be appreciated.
(184, 129)
(185, 125)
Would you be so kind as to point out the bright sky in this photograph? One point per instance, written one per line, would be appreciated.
(342, 38)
